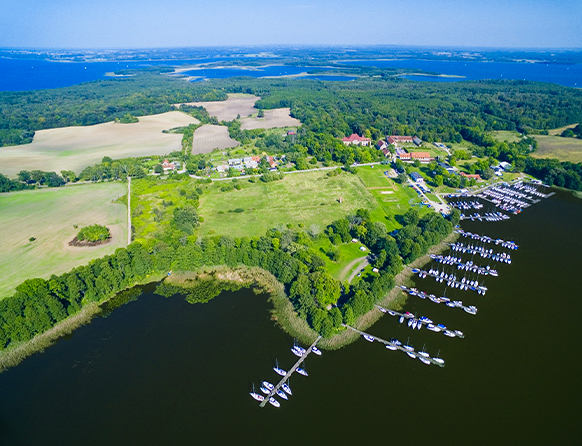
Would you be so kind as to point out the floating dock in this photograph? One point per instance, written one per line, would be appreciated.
(289, 373)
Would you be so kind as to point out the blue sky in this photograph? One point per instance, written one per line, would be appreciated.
(173, 23)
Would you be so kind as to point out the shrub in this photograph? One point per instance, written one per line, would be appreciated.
(239, 210)
(93, 233)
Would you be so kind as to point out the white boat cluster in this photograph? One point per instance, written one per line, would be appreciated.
(467, 266)
(487, 239)
(482, 251)
(284, 391)
(466, 205)
(528, 189)
(451, 280)
(417, 323)
(512, 198)
(488, 216)
(395, 344)
(440, 300)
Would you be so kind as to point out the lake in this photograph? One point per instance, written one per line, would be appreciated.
(567, 75)
(162, 371)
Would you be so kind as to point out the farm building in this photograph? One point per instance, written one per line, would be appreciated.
(416, 140)
(423, 157)
(395, 140)
(357, 140)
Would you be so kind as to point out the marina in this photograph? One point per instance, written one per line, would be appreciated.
(421, 321)
(439, 300)
(467, 266)
(394, 345)
(270, 398)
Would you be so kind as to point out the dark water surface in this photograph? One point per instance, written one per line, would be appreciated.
(162, 371)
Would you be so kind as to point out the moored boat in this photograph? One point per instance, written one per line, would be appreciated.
(282, 394)
(368, 338)
(279, 371)
(315, 350)
(274, 402)
(257, 396)
(301, 371)
(286, 388)
(268, 385)
(391, 347)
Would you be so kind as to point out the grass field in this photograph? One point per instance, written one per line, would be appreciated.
(236, 104)
(504, 135)
(278, 117)
(49, 215)
(307, 198)
(210, 137)
(74, 148)
(563, 149)
(559, 131)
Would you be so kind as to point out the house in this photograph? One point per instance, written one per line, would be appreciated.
(395, 140)
(404, 156)
(166, 165)
(221, 168)
(386, 152)
(416, 177)
(271, 161)
(423, 157)
(291, 132)
(416, 140)
(357, 140)
(382, 145)
(475, 176)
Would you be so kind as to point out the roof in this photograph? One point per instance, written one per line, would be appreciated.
(396, 138)
(416, 176)
(354, 137)
(420, 155)
(476, 176)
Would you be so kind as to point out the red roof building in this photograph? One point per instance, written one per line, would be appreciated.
(476, 176)
(357, 140)
(421, 156)
(395, 139)
(167, 165)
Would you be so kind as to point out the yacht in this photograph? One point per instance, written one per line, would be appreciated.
(391, 347)
(282, 394)
(424, 360)
(257, 396)
(315, 350)
(450, 333)
(301, 371)
(265, 390)
(274, 402)
(368, 338)
(286, 388)
(268, 385)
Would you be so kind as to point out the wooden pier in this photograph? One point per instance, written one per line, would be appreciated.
(289, 373)
(399, 347)
(407, 316)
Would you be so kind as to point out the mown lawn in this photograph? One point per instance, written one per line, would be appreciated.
(310, 198)
(563, 149)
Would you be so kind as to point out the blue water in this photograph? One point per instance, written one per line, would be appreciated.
(567, 75)
(24, 74)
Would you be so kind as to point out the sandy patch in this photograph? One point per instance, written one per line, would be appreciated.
(74, 148)
(279, 117)
(210, 137)
(228, 110)
(387, 192)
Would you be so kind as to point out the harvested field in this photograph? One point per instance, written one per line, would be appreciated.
(278, 117)
(74, 148)
(559, 131)
(236, 104)
(49, 215)
(563, 149)
(210, 137)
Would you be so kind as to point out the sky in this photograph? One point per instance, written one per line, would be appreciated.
(189, 23)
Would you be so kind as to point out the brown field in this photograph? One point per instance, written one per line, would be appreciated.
(49, 216)
(563, 149)
(278, 117)
(74, 148)
(236, 104)
(210, 137)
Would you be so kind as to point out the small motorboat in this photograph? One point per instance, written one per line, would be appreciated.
(268, 385)
(265, 390)
(439, 360)
(315, 350)
(257, 396)
(286, 388)
(401, 319)
(391, 313)
(391, 347)
(301, 371)
(383, 310)
(424, 360)
(274, 402)
(395, 342)
(459, 333)
(368, 338)
(450, 333)
(411, 354)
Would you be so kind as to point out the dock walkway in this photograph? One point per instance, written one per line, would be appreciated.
(383, 341)
(289, 373)
(408, 316)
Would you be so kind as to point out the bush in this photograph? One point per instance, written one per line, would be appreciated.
(93, 233)
(239, 210)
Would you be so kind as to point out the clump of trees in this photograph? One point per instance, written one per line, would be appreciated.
(93, 233)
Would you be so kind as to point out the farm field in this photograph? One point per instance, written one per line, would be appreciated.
(74, 148)
(236, 104)
(210, 137)
(49, 215)
(559, 131)
(307, 198)
(278, 117)
(563, 149)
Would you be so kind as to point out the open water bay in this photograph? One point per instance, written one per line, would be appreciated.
(162, 371)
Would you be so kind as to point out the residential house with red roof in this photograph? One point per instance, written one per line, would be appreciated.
(357, 140)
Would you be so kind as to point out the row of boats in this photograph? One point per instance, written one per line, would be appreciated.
(527, 188)
(501, 257)
(466, 205)
(439, 300)
(486, 239)
(488, 216)
(467, 266)
(395, 344)
(284, 391)
(451, 280)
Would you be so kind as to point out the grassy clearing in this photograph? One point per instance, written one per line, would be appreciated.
(505, 135)
(308, 198)
(559, 131)
(74, 148)
(563, 149)
(49, 215)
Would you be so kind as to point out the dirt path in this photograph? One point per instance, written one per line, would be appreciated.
(360, 261)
